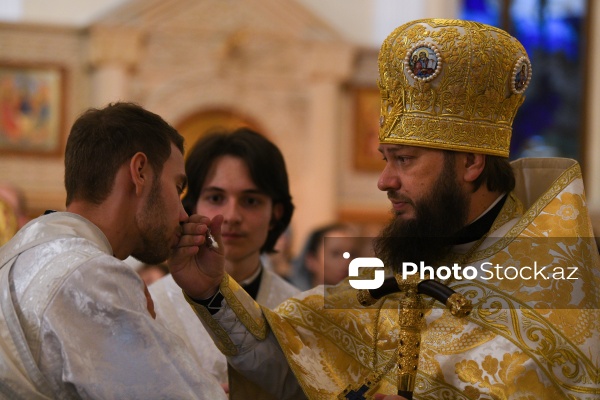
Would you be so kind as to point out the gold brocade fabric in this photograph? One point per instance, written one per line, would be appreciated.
(525, 339)
(451, 84)
(8, 222)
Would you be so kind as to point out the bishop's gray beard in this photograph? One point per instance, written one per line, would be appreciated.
(427, 237)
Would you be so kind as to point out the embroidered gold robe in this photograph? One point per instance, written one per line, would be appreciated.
(526, 338)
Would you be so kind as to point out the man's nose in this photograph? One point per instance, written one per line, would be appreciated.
(388, 180)
(231, 212)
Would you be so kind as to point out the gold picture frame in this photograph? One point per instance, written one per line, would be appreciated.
(32, 109)
(366, 129)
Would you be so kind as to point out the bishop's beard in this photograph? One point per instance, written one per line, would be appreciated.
(428, 236)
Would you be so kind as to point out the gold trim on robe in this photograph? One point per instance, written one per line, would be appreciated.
(526, 338)
(539, 340)
(244, 307)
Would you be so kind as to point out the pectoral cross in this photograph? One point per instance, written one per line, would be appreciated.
(363, 391)
(358, 394)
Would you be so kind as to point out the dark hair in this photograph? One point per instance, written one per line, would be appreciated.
(265, 164)
(316, 236)
(102, 140)
(497, 174)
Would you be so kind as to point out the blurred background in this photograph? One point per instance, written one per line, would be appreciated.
(302, 72)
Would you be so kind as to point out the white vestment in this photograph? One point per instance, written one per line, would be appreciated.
(74, 322)
(175, 313)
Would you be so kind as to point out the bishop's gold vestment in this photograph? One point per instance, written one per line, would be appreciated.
(526, 338)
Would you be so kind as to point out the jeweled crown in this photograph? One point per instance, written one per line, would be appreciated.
(451, 84)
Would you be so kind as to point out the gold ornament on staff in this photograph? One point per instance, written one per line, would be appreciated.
(411, 312)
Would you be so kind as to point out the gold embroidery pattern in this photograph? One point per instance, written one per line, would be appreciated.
(468, 105)
(433, 389)
(512, 207)
(219, 335)
(344, 334)
(551, 337)
(8, 222)
(448, 336)
(566, 178)
(349, 342)
(521, 341)
(246, 309)
(503, 379)
(538, 337)
(554, 322)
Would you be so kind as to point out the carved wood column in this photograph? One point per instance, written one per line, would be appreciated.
(113, 54)
(330, 66)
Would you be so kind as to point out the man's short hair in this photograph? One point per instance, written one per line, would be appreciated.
(497, 175)
(102, 140)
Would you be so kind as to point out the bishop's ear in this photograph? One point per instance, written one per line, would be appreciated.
(473, 164)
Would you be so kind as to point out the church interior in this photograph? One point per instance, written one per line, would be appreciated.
(302, 72)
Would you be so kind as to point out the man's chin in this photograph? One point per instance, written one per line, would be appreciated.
(152, 257)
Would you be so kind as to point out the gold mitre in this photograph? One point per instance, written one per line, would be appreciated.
(451, 84)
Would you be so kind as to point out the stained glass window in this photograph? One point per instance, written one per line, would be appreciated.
(550, 121)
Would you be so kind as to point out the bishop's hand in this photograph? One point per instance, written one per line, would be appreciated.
(198, 265)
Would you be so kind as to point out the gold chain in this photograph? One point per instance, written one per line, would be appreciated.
(376, 377)
(375, 337)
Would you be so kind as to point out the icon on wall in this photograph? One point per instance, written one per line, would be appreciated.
(31, 109)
